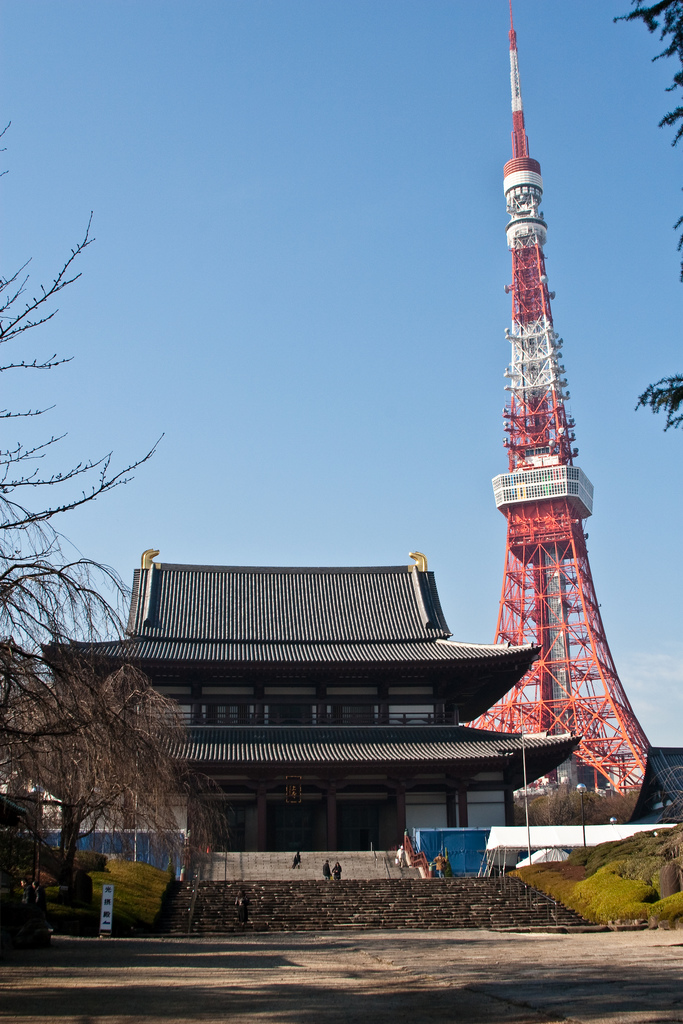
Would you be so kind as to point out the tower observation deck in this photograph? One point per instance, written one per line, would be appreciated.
(548, 597)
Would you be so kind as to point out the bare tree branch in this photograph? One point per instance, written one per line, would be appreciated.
(49, 601)
(15, 323)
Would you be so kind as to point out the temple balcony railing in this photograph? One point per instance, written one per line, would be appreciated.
(254, 718)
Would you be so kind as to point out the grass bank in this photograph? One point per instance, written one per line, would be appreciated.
(138, 894)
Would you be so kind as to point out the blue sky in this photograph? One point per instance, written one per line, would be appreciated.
(298, 279)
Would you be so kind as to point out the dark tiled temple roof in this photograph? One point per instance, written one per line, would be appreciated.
(236, 651)
(298, 746)
(386, 614)
(233, 603)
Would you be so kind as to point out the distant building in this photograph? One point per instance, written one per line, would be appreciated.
(327, 702)
(661, 795)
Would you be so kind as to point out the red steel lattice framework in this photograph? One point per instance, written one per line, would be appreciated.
(548, 597)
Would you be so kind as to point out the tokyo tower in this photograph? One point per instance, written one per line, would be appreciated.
(548, 597)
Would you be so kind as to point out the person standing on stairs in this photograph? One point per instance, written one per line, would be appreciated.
(242, 904)
(337, 872)
(296, 863)
(327, 874)
(439, 864)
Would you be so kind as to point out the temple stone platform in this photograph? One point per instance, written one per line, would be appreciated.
(265, 867)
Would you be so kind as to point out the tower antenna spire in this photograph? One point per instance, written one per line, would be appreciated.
(520, 143)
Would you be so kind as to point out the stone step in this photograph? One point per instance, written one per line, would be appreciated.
(381, 903)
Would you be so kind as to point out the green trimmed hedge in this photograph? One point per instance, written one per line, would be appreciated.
(643, 853)
(550, 881)
(669, 909)
(606, 895)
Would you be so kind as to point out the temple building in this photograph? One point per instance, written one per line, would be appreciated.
(327, 702)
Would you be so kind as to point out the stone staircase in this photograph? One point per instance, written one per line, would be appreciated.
(301, 904)
(265, 867)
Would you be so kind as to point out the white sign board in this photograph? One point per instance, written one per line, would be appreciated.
(107, 909)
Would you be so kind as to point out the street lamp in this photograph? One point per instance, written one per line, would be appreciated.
(613, 820)
(526, 800)
(581, 789)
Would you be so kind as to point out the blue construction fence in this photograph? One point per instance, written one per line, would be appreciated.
(129, 845)
(466, 847)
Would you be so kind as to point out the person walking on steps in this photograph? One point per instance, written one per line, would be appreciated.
(439, 864)
(327, 874)
(296, 863)
(242, 904)
(337, 872)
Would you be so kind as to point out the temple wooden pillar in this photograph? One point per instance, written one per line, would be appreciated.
(509, 806)
(332, 816)
(261, 818)
(451, 805)
(462, 807)
(400, 811)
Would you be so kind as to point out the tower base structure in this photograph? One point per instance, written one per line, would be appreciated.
(548, 598)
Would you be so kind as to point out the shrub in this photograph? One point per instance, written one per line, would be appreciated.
(549, 880)
(88, 860)
(579, 856)
(642, 868)
(607, 896)
(668, 909)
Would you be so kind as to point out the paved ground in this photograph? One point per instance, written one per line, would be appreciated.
(473, 977)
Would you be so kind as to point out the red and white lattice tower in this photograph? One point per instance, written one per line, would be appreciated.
(548, 596)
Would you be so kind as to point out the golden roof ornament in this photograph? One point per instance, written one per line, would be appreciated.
(420, 561)
(147, 560)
